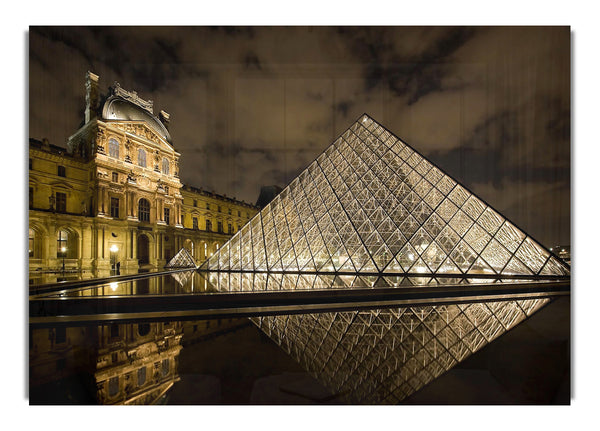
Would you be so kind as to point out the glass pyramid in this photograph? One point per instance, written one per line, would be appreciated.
(182, 259)
(370, 204)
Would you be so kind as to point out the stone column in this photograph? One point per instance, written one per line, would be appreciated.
(135, 241)
(50, 245)
(133, 205)
(126, 205)
(105, 201)
(100, 201)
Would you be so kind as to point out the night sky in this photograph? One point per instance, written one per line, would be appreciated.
(253, 106)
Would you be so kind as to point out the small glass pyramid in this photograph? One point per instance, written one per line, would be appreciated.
(370, 204)
(182, 259)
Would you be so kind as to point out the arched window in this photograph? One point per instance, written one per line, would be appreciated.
(144, 210)
(143, 329)
(66, 244)
(165, 166)
(32, 243)
(62, 240)
(142, 158)
(113, 148)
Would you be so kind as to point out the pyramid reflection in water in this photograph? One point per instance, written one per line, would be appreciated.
(384, 356)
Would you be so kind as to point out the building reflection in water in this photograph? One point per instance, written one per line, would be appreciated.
(106, 364)
(363, 356)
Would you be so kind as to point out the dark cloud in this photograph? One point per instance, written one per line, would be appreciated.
(413, 74)
(241, 32)
(343, 107)
(251, 61)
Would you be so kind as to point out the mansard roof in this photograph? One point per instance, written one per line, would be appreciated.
(126, 105)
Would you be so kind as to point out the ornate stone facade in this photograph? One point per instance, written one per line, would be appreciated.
(113, 198)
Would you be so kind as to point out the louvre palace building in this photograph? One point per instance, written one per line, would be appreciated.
(112, 199)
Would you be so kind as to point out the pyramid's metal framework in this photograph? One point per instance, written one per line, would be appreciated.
(371, 211)
(370, 204)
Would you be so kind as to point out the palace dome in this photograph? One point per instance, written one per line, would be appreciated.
(118, 108)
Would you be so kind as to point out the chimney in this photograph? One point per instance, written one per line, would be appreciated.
(164, 118)
(91, 96)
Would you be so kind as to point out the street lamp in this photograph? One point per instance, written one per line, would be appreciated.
(64, 252)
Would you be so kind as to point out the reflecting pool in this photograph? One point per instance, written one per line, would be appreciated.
(439, 353)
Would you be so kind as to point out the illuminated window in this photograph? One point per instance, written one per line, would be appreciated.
(167, 213)
(142, 158)
(115, 177)
(31, 243)
(165, 166)
(113, 148)
(144, 210)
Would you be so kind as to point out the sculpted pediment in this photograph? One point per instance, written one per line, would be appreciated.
(141, 130)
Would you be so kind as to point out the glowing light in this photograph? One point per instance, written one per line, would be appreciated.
(114, 248)
(63, 249)
(114, 285)
(411, 256)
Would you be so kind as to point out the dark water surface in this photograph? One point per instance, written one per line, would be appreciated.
(476, 353)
